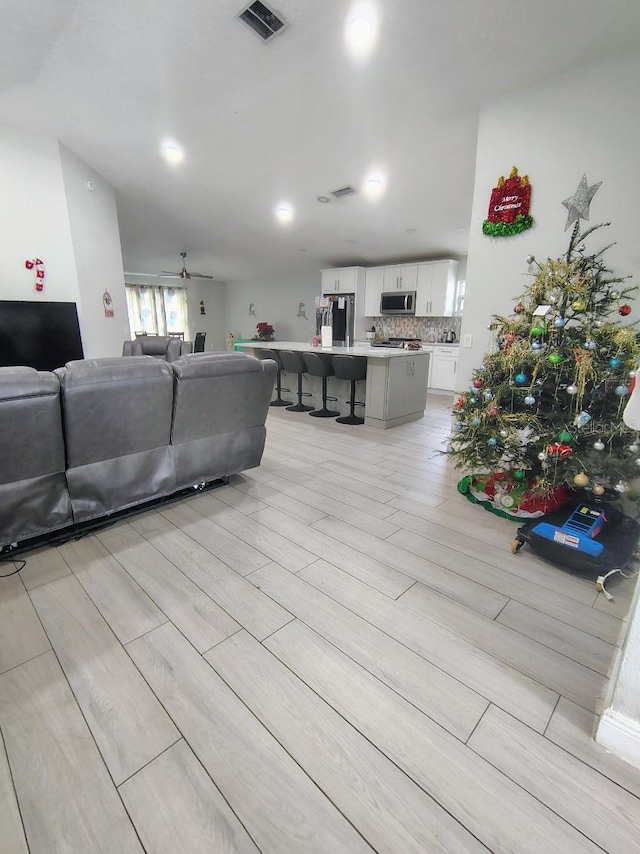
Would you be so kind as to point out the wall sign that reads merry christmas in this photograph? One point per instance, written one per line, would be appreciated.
(509, 206)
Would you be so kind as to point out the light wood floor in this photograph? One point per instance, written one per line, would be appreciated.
(334, 653)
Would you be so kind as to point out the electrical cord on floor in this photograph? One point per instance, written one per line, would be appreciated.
(602, 578)
(17, 568)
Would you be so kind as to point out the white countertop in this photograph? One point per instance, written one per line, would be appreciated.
(363, 349)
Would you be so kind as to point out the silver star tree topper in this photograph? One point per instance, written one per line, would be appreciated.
(578, 204)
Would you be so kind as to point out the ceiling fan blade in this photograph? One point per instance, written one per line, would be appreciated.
(200, 276)
(165, 274)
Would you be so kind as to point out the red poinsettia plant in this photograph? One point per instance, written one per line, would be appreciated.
(265, 331)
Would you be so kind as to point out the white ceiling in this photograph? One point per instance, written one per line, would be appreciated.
(288, 120)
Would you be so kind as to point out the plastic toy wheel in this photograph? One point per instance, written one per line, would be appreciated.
(516, 545)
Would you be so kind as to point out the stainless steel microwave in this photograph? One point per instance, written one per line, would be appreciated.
(398, 302)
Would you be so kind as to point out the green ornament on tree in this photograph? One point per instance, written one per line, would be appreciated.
(537, 331)
(565, 437)
(555, 358)
(519, 474)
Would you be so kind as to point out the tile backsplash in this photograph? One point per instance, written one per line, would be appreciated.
(426, 328)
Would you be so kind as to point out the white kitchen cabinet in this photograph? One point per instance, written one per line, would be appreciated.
(402, 277)
(343, 280)
(435, 289)
(374, 285)
(443, 368)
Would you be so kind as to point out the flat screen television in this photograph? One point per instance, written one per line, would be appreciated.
(41, 335)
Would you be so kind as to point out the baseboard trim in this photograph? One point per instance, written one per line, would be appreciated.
(620, 735)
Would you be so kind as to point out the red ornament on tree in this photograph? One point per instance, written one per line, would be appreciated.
(477, 383)
(459, 403)
(494, 410)
(563, 451)
(518, 308)
(624, 310)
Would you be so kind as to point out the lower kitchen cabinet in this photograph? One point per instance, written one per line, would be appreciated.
(443, 368)
(396, 389)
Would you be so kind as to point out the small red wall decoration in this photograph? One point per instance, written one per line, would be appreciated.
(509, 206)
(37, 265)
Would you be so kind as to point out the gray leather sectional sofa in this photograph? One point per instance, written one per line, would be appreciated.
(102, 435)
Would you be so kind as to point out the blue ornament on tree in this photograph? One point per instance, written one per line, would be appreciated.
(475, 421)
(521, 379)
(621, 390)
(559, 322)
(614, 362)
(536, 345)
(590, 345)
(492, 442)
(488, 395)
(529, 400)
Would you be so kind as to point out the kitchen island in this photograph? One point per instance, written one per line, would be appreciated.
(396, 382)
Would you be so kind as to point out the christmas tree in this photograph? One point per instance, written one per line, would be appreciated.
(543, 414)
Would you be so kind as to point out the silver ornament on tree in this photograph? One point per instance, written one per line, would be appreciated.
(598, 445)
(572, 389)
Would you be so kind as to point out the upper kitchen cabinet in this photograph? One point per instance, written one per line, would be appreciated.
(402, 277)
(435, 290)
(343, 280)
(373, 292)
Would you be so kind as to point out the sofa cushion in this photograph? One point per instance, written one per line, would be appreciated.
(33, 491)
(117, 418)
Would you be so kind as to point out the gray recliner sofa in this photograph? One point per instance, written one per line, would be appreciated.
(159, 346)
(102, 435)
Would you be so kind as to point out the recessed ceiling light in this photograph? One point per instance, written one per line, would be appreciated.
(324, 200)
(284, 213)
(361, 29)
(374, 186)
(411, 230)
(172, 153)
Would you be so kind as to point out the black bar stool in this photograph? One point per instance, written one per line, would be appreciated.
(275, 356)
(292, 363)
(320, 365)
(352, 368)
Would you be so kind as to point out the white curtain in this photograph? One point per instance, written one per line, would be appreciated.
(156, 309)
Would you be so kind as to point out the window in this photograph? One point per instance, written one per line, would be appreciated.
(156, 309)
(458, 301)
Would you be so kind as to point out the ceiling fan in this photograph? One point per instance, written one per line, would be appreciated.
(184, 273)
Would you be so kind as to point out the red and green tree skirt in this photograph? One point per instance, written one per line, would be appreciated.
(543, 414)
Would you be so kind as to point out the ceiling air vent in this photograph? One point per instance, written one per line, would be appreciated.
(343, 192)
(262, 20)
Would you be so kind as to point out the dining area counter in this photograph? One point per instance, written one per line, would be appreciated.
(395, 384)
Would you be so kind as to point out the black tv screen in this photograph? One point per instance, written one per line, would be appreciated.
(41, 335)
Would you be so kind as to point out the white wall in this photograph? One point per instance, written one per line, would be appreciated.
(275, 301)
(98, 258)
(46, 211)
(33, 219)
(584, 122)
(213, 321)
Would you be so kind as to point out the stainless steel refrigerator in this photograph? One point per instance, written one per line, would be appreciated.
(339, 314)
